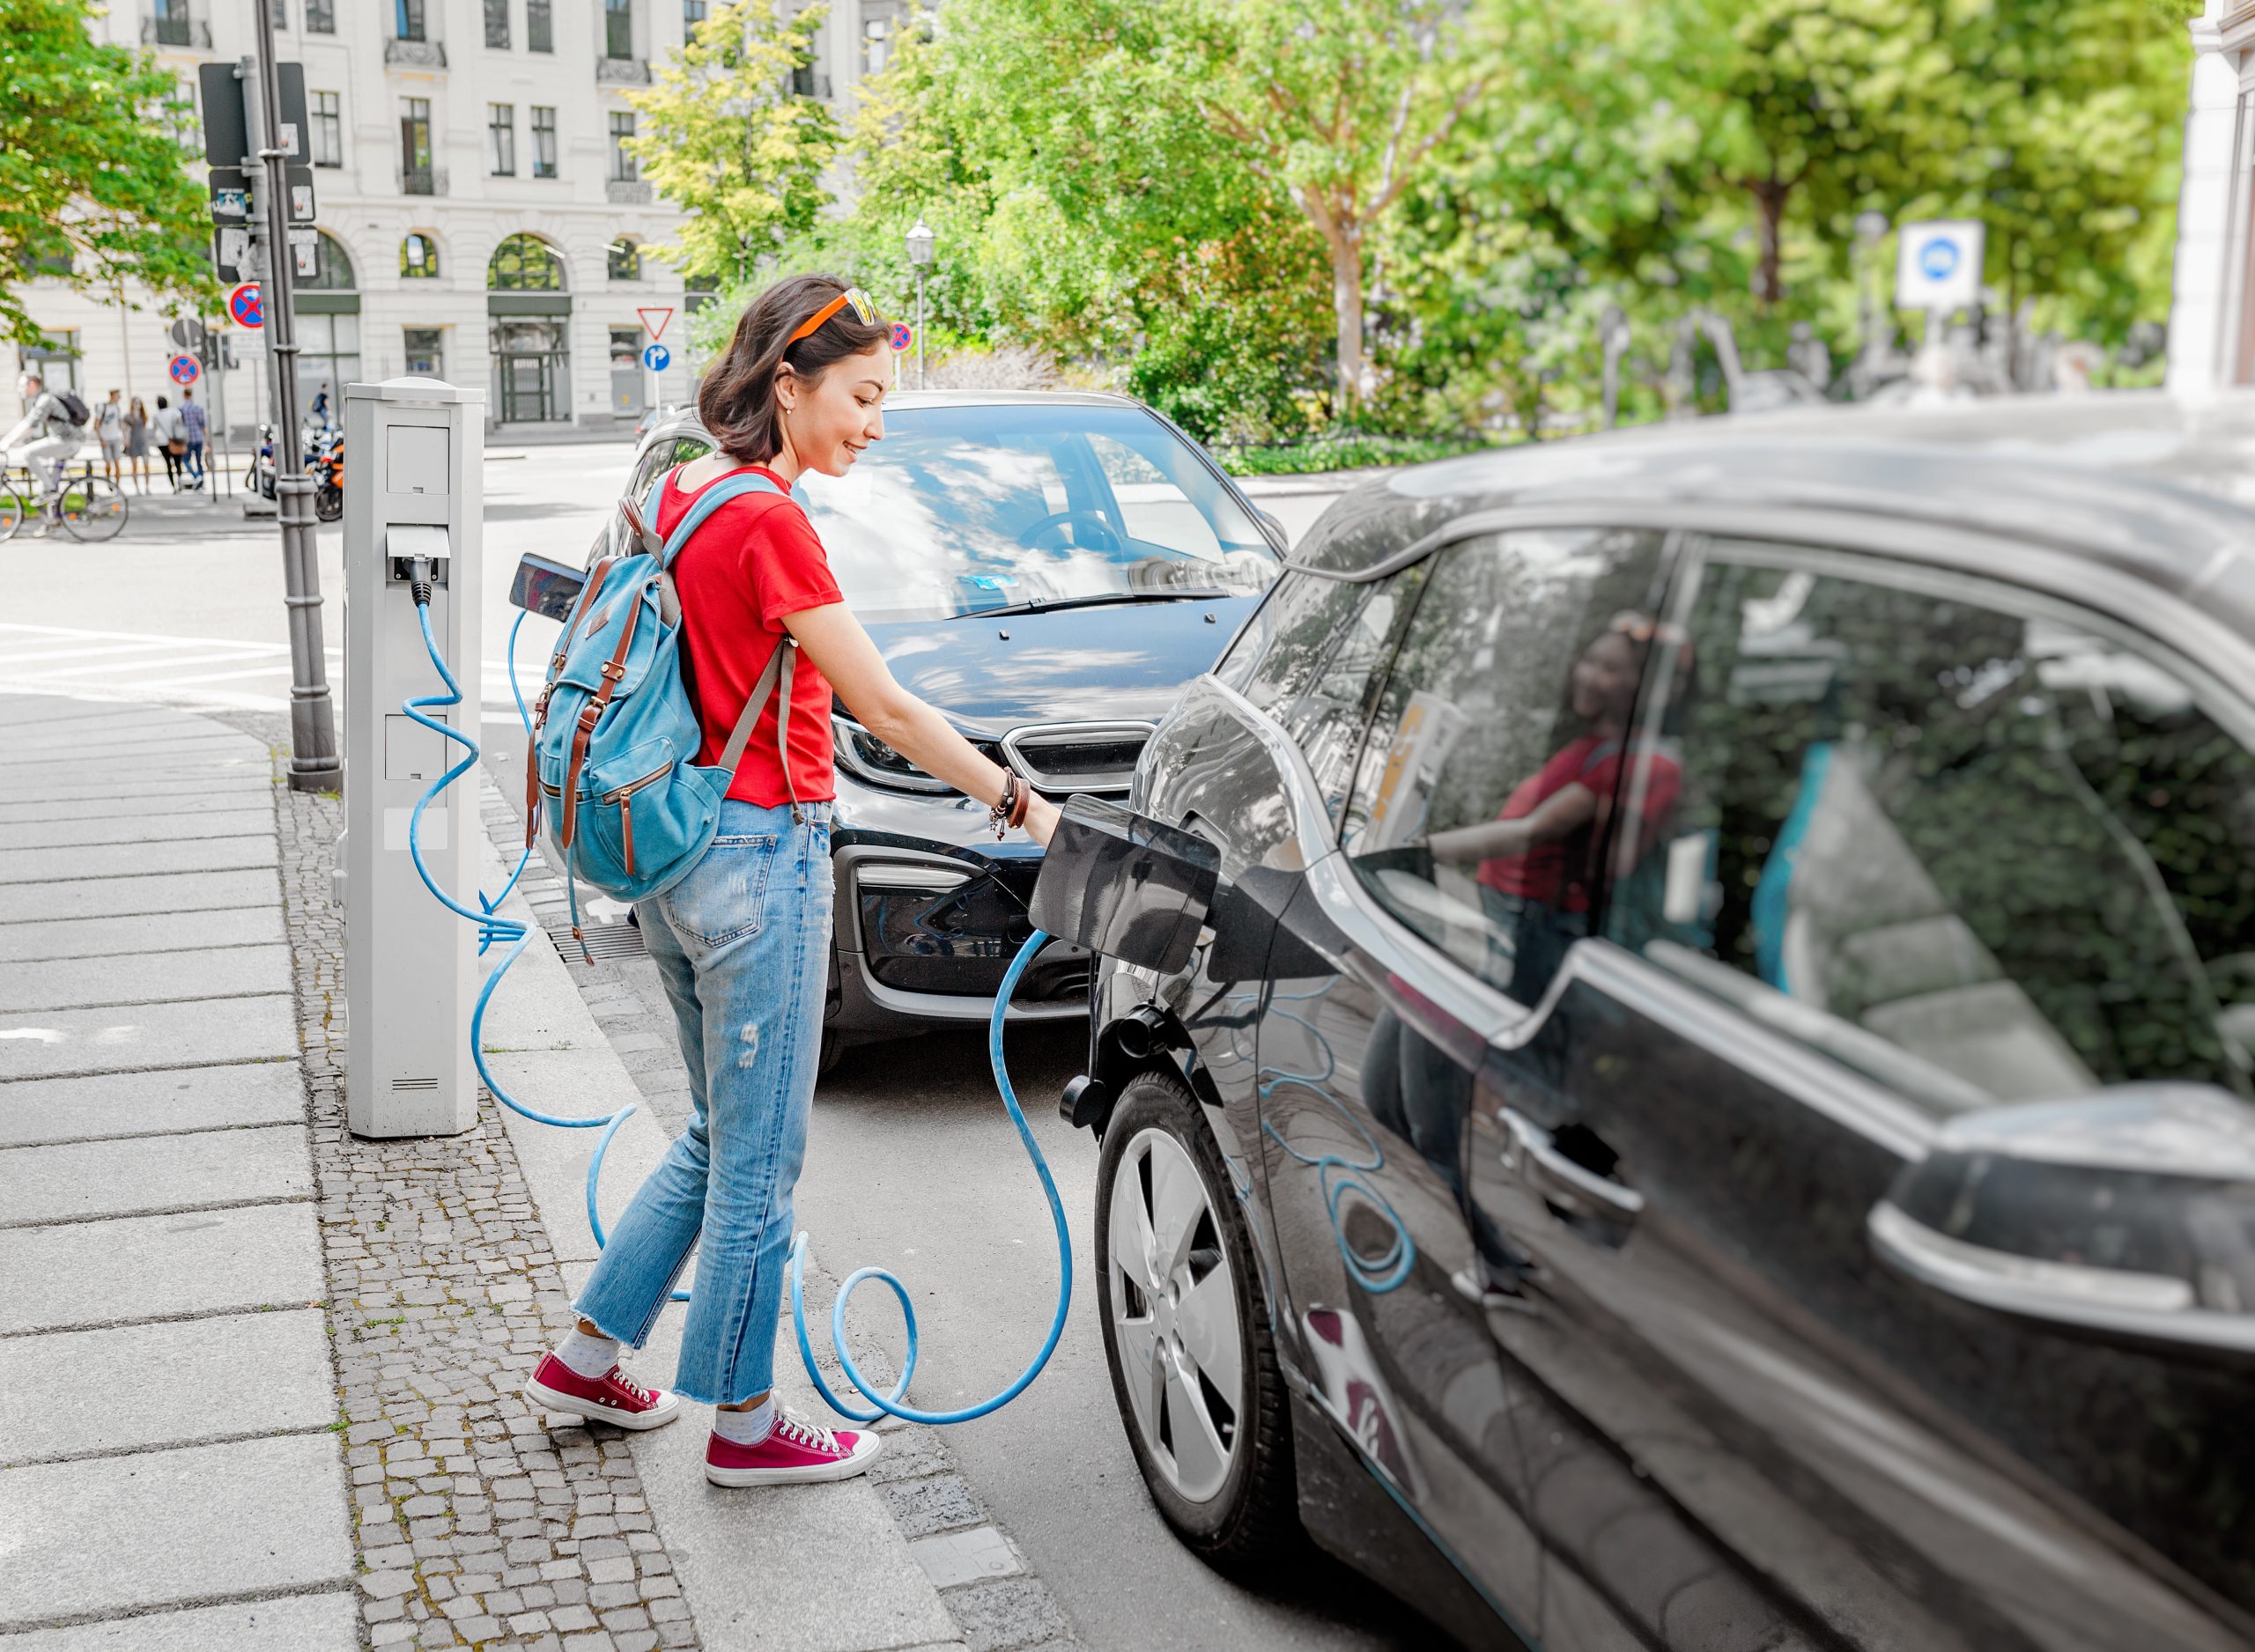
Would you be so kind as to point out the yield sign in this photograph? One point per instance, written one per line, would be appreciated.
(655, 328)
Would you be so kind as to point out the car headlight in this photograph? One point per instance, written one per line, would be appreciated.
(866, 757)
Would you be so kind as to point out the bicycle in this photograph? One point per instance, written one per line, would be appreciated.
(88, 504)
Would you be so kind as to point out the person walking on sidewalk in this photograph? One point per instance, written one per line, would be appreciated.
(192, 427)
(136, 440)
(171, 438)
(110, 425)
(742, 942)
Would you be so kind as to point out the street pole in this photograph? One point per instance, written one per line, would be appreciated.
(920, 329)
(315, 765)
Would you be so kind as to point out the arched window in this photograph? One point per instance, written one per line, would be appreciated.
(624, 258)
(418, 256)
(332, 268)
(525, 263)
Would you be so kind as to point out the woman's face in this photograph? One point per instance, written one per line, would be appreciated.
(829, 420)
(1605, 679)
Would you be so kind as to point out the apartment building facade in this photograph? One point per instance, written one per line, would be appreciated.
(481, 219)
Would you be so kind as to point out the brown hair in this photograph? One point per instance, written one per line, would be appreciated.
(737, 401)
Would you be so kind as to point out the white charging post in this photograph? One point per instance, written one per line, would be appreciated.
(414, 486)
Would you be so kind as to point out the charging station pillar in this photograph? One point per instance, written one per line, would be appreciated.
(414, 486)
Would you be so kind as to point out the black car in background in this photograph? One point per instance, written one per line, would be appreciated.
(1713, 1106)
(1048, 570)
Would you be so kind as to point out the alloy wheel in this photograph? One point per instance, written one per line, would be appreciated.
(1174, 1314)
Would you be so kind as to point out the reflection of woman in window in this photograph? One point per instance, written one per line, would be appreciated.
(1535, 856)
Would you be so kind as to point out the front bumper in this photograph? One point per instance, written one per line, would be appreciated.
(930, 910)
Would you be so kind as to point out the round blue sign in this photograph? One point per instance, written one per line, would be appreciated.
(657, 358)
(1938, 258)
(183, 369)
(902, 336)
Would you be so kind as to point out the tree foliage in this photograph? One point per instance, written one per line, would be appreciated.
(722, 135)
(95, 185)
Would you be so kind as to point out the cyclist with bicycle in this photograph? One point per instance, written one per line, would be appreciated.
(44, 439)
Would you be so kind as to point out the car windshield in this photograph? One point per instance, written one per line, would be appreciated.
(961, 509)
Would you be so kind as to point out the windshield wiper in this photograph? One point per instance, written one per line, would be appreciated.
(1167, 593)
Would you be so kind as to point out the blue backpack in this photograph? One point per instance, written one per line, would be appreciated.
(615, 735)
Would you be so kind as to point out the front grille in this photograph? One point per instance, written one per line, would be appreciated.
(1077, 756)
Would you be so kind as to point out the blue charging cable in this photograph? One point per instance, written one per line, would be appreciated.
(493, 928)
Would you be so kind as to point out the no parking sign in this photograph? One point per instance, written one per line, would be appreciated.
(183, 369)
(247, 306)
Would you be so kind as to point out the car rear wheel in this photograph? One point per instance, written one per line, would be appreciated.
(1194, 1368)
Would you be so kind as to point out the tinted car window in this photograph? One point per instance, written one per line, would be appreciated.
(1979, 853)
(1488, 781)
(965, 508)
(1289, 639)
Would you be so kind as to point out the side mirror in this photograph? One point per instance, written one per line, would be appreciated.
(2128, 1215)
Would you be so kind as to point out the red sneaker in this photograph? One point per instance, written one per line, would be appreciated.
(795, 1452)
(610, 1398)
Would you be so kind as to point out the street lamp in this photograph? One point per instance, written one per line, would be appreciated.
(920, 242)
(1871, 229)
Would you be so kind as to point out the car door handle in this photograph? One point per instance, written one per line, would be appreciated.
(1534, 1156)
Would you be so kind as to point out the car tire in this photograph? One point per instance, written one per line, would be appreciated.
(1250, 1520)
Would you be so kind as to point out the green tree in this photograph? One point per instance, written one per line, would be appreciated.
(723, 136)
(95, 188)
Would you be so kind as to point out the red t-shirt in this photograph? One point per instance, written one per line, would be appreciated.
(751, 562)
(1555, 872)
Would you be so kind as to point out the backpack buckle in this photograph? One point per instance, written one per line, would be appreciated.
(613, 670)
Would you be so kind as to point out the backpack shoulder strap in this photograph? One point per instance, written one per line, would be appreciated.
(711, 500)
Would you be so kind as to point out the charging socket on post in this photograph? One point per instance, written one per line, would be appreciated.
(406, 543)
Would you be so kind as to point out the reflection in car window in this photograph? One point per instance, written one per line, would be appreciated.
(1489, 776)
(1981, 856)
(1288, 638)
(964, 508)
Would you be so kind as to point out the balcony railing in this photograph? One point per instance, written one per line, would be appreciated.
(628, 192)
(193, 32)
(429, 181)
(622, 71)
(400, 54)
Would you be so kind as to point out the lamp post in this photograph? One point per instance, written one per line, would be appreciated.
(1871, 229)
(920, 240)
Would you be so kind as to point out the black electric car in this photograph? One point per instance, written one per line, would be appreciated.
(1712, 1108)
(1048, 568)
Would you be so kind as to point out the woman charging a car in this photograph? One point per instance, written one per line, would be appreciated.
(742, 942)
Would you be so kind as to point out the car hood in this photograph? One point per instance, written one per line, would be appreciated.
(1107, 663)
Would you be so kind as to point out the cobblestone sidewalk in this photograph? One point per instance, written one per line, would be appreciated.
(477, 1525)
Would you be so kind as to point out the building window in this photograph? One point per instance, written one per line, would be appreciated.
(622, 158)
(326, 118)
(540, 26)
(497, 24)
(544, 142)
(693, 13)
(415, 173)
(623, 258)
(320, 16)
(173, 24)
(501, 139)
(281, 9)
(427, 352)
(876, 40)
(618, 29)
(407, 17)
(54, 358)
(525, 263)
(418, 256)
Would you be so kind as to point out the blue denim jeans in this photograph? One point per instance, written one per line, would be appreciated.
(742, 944)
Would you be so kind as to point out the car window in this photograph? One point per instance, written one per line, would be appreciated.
(965, 508)
(1288, 638)
(1488, 781)
(1973, 850)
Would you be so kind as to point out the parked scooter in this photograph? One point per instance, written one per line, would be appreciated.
(324, 463)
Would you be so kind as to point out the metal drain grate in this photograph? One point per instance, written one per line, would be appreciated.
(605, 940)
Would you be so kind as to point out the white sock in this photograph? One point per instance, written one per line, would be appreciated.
(746, 1427)
(587, 1356)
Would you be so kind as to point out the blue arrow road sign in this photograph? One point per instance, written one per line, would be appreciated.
(1938, 258)
(657, 358)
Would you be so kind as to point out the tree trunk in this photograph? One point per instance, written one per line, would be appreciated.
(1347, 315)
(1769, 275)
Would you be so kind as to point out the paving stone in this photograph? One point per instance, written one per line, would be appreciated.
(114, 1533)
(926, 1506)
(294, 1623)
(108, 826)
(112, 897)
(35, 1110)
(144, 977)
(243, 926)
(138, 859)
(1008, 1614)
(951, 1557)
(51, 1043)
(76, 1391)
(152, 1173)
(146, 1267)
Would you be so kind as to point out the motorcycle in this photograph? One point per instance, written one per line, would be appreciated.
(323, 461)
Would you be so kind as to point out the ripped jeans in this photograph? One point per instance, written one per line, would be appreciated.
(742, 944)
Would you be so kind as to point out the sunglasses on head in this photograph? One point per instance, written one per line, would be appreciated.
(862, 307)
